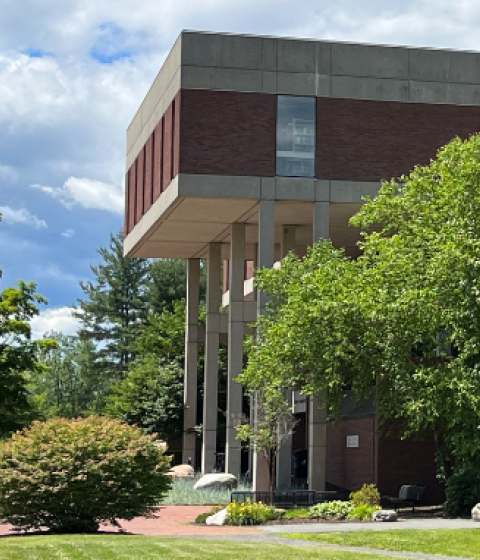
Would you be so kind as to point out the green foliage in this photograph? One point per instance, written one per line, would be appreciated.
(69, 384)
(182, 492)
(362, 512)
(368, 495)
(249, 513)
(296, 513)
(116, 304)
(18, 354)
(403, 318)
(462, 493)
(151, 397)
(335, 509)
(70, 475)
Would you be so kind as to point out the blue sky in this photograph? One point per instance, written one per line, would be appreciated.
(72, 74)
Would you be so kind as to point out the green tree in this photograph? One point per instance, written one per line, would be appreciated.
(116, 305)
(403, 318)
(70, 385)
(151, 395)
(18, 354)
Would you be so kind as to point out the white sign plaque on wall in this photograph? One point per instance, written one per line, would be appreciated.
(352, 441)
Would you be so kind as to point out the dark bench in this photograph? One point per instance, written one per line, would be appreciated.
(409, 495)
(284, 498)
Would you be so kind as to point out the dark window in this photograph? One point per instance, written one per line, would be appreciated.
(296, 136)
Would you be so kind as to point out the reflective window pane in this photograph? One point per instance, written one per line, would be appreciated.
(296, 136)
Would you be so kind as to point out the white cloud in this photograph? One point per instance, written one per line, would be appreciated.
(21, 216)
(87, 193)
(67, 233)
(59, 319)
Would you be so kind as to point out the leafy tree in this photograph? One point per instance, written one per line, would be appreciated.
(116, 305)
(272, 425)
(18, 354)
(72, 475)
(168, 281)
(151, 395)
(70, 385)
(403, 318)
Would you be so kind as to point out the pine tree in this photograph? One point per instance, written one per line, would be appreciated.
(116, 304)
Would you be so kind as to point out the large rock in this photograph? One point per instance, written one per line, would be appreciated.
(385, 515)
(219, 518)
(476, 512)
(216, 480)
(182, 471)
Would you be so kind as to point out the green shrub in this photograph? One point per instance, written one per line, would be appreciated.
(362, 512)
(296, 513)
(249, 513)
(367, 495)
(462, 493)
(332, 510)
(71, 475)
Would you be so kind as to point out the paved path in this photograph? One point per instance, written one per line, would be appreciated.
(420, 523)
(170, 521)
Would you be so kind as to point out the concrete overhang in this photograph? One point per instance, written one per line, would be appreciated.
(198, 209)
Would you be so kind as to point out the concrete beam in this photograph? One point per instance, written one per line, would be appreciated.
(236, 332)
(212, 344)
(191, 361)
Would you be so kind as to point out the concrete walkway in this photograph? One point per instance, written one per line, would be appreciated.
(420, 523)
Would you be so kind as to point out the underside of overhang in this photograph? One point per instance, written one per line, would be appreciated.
(190, 223)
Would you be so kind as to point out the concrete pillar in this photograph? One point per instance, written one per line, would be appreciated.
(191, 361)
(265, 259)
(317, 417)
(235, 348)
(284, 457)
(212, 342)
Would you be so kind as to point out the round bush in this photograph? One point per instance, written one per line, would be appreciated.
(71, 475)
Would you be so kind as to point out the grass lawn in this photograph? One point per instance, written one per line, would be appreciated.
(124, 547)
(449, 542)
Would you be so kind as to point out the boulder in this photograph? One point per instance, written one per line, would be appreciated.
(219, 518)
(385, 515)
(216, 480)
(182, 471)
(476, 512)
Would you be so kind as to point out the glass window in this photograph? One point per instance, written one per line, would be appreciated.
(296, 136)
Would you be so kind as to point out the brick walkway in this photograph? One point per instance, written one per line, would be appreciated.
(170, 521)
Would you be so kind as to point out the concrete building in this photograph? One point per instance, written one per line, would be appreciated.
(248, 147)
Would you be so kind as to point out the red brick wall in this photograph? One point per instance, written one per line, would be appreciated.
(372, 140)
(148, 190)
(139, 185)
(228, 133)
(408, 462)
(157, 161)
(351, 467)
(155, 166)
(167, 148)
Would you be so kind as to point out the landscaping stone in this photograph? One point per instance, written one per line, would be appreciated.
(476, 512)
(385, 515)
(216, 480)
(219, 518)
(182, 471)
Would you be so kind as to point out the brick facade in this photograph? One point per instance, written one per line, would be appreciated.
(373, 140)
(228, 133)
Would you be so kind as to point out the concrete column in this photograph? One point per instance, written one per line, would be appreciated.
(212, 342)
(191, 360)
(284, 457)
(265, 259)
(317, 417)
(235, 348)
